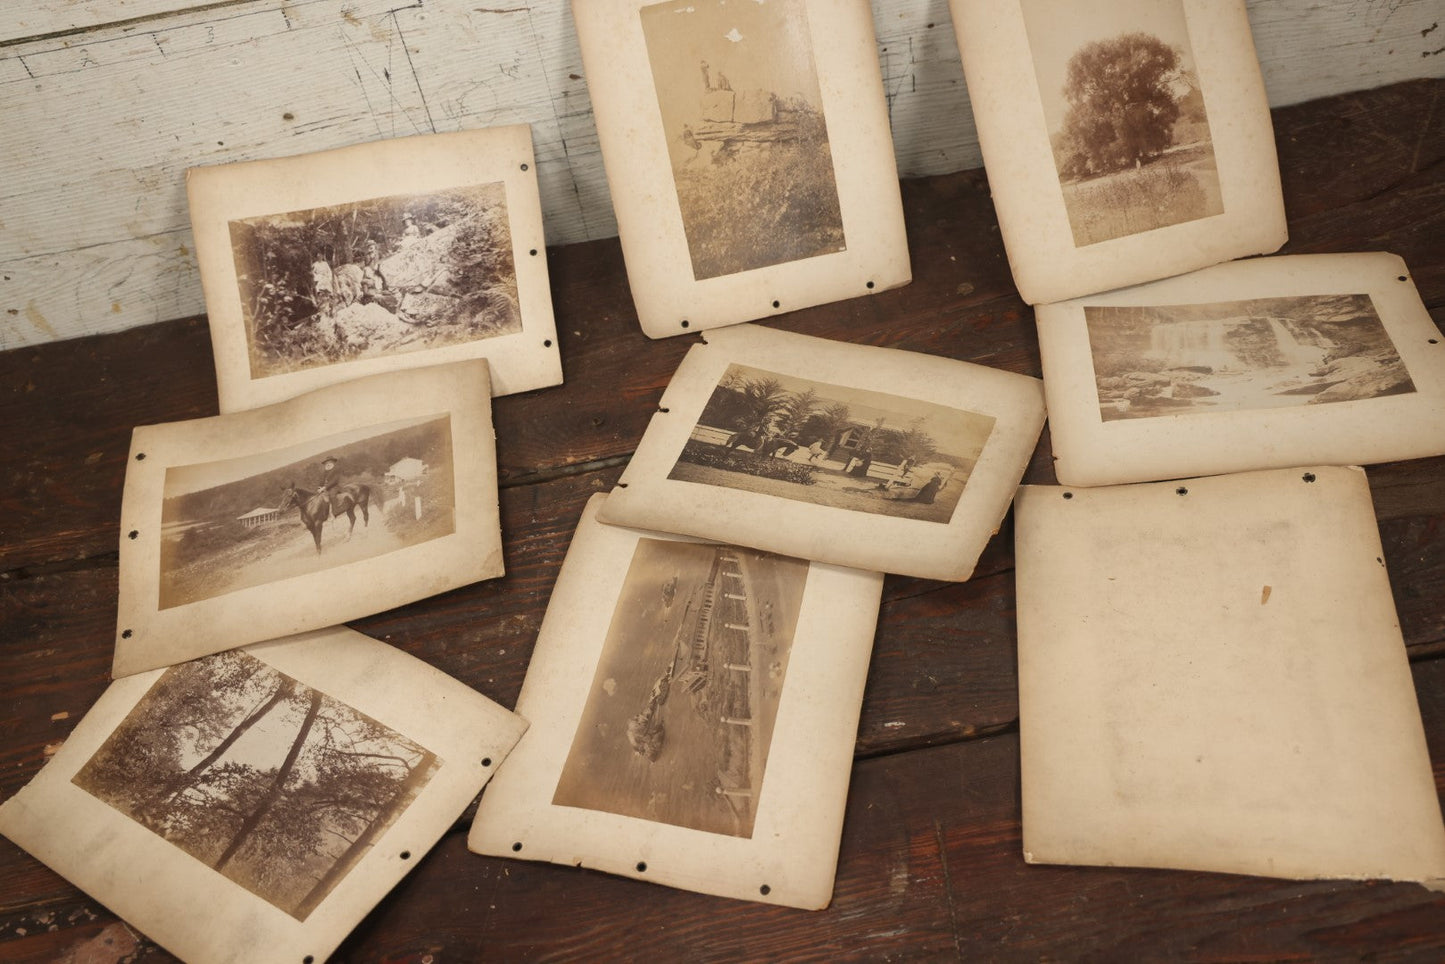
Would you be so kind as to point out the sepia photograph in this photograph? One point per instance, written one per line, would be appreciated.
(1239, 355)
(1125, 114)
(275, 785)
(236, 523)
(747, 140)
(375, 277)
(680, 715)
(842, 447)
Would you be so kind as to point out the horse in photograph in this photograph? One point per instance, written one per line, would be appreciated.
(345, 500)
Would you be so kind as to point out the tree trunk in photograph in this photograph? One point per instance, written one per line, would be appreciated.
(185, 781)
(358, 847)
(273, 793)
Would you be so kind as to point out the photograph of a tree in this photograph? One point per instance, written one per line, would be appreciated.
(1126, 115)
(275, 785)
(1122, 104)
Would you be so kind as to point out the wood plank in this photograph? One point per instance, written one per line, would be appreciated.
(930, 867)
(114, 114)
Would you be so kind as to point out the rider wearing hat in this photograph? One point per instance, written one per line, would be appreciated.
(330, 478)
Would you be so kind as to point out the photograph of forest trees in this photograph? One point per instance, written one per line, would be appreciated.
(275, 785)
(375, 277)
(738, 91)
(1235, 355)
(832, 445)
(1125, 114)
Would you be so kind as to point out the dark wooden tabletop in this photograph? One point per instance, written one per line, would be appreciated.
(931, 864)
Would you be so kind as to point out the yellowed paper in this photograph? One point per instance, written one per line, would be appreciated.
(1256, 364)
(693, 711)
(853, 455)
(326, 267)
(1124, 141)
(1212, 677)
(748, 154)
(235, 529)
(256, 804)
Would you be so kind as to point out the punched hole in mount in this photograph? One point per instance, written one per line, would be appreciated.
(486, 761)
(1403, 278)
(642, 866)
(126, 634)
(308, 959)
(1308, 476)
(777, 304)
(516, 847)
(533, 252)
(547, 343)
(1181, 491)
(870, 286)
(524, 167)
(1068, 495)
(140, 456)
(684, 323)
(406, 855)
(765, 890)
(134, 534)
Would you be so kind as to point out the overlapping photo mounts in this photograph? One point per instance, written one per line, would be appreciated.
(342, 502)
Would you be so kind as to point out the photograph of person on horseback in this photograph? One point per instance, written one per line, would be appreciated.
(233, 524)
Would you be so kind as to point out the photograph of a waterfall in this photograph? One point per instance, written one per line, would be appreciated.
(680, 715)
(1125, 114)
(273, 784)
(1240, 355)
(244, 522)
(832, 445)
(748, 144)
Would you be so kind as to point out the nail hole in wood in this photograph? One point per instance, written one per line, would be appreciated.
(134, 533)
(642, 866)
(1181, 491)
(516, 847)
(126, 634)
(1308, 476)
(486, 761)
(765, 890)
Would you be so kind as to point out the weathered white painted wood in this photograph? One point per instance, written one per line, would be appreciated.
(98, 127)
(38, 18)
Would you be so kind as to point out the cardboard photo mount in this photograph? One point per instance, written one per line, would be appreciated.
(1212, 677)
(367, 577)
(791, 856)
(422, 165)
(645, 497)
(668, 297)
(1090, 450)
(194, 911)
(1014, 137)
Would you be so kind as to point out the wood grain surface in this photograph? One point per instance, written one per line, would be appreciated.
(105, 103)
(931, 865)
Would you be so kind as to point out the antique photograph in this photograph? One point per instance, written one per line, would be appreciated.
(680, 715)
(751, 160)
(236, 523)
(830, 445)
(1238, 355)
(375, 277)
(273, 784)
(1125, 115)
